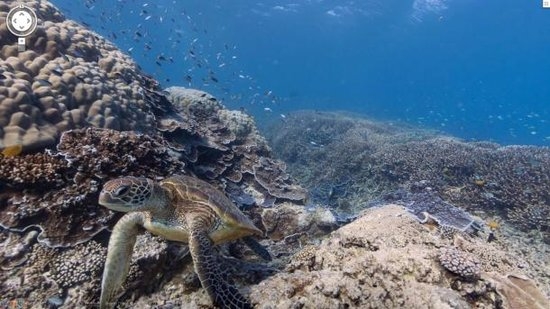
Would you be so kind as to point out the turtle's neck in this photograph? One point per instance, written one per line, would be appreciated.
(160, 202)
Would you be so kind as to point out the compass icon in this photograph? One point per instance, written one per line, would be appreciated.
(21, 21)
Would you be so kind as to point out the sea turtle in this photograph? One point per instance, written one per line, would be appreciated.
(179, 208)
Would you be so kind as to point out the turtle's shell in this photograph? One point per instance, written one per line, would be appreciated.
(190, 194)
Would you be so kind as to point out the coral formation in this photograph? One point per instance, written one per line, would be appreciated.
(225, 146)
(39, 169)
(426, 206)
(72, 87)
(460, 263)
(365, 264)
(77, 264)
(68, 78)
(510, 181)
(519, 292)
(66, 211)
(289, 222)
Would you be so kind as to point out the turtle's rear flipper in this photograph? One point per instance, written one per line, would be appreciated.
(212, 277)
(260, 250)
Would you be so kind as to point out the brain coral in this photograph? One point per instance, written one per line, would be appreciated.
(68, 78)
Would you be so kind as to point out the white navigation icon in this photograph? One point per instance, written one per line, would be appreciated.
(21, 21)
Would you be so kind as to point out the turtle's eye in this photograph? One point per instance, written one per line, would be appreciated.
(122, 190)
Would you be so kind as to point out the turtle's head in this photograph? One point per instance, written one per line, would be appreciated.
(128, 194)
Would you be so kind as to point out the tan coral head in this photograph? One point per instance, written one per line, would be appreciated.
(127, 194)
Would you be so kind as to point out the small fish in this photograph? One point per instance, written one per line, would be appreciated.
(283, 116)
(44, 82)
(58, 71)
(64, 57)
(12, 151)
(267, 109)
(161, 57)
(148, 17)
(138, 34)
(213, 79)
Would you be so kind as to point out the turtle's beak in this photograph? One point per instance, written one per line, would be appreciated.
(106, 199)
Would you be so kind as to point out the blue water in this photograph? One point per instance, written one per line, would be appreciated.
(479, 70)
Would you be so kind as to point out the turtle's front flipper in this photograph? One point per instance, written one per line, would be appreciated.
(119, 253)
(212, 278)
(260, 250)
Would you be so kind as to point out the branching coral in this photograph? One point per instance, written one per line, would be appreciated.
(38, 169)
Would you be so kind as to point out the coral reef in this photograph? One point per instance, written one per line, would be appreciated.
(68, 78)
(70, 111)
(77, 265)
(48, 273)
(71, 108)
(60, 199)
(225, 146)
(39, 169)
(365, 264)
(381, 158)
